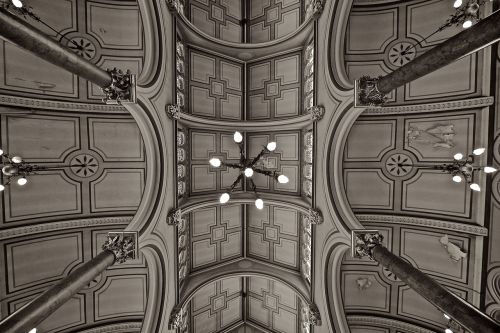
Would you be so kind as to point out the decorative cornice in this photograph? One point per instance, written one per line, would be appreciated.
(438, 224)
(123, 245)
(174, 217)
(62, 225)
(386, 323)
(174, 111)
(363, 242)
(58, 105)
(115, 328)
(434, 107)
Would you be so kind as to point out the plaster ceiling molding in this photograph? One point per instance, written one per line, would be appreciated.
(94, 36)
(373, 321)
(116, 328)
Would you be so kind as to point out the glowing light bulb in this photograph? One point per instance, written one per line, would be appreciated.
(457, 3)
(271, 146)
(259, 204)
(1, 152)
(448, 330)
(248, 172)
(282, 179)
(237, 137)
(458, 156)
(457, 179)
(224, 198)
(18, 4)
(479, 151)
(489, 169)
(33, 330)
(467, 24)
(2, 187)
(22, 181)
(215, 162)
(475, 187)
(446, 316)
(17, 159)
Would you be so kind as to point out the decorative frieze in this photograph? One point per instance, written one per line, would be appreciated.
(123, 245)
(121, 89)
(373, 321)
(363, 241)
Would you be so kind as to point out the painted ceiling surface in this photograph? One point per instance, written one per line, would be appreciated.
(233, 267)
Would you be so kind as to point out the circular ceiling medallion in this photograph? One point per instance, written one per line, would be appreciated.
(83, 47)
(84, 165)
(401, 53)
(399, 165)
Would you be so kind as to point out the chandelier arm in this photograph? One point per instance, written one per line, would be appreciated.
(242, 152)
(266, 172)
(236, 182)
(232, 165)
(259, 156)
(254, 187)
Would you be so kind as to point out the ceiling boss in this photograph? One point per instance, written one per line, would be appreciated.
(247, 167)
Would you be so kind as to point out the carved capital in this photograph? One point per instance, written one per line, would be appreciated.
(367, 93)
(363, 241)
(312, 315)
(315, 216)
(174, 217)
(175, 320)
(317, 7)
(121, 89)
(317, 112)
(123, 245)
(175, 6)
(174, 111)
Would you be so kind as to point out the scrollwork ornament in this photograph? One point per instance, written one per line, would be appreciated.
(315, 216)
(175, 6)
(174, 111)
(174, 217)
(122, 244)
(318, 6)
(367, 93)
(121, 89)
(175, 320)
(317, 112)
(363, 242)
(313, 315)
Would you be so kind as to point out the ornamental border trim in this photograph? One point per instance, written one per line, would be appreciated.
(417, 221)
(432, 107)
(386, 322)
(122, 327)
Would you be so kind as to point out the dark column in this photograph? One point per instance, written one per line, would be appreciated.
(370, 91)
(369, 243)
(117, 85)
(118, 248)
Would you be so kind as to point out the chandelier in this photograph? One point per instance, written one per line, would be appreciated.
(247, 168)
(466, 13)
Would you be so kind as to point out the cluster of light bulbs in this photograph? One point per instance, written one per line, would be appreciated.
(248, 172)
(472, 9)
(486, 169)
(9, 170)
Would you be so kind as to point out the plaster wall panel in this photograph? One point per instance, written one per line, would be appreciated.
(118, 190)
(375, 298)
(369, 141)
(362, 40)
(368, 188)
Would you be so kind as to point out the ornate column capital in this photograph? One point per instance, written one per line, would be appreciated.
(123, 245)
(174, 217)
(175, 6)
(174, 111)
(317, 112)
(175, 319)
(363, 241)
(312, 315)
(315, 216)
(317, 6)
(366, 92)
(121, 89)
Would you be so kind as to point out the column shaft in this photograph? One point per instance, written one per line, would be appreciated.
(33, 313)
(461, 311)
(483, 33)
(20, 33)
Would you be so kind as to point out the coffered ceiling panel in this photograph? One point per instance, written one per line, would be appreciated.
(388, 164)
(33, 263)
(93, 29)
(109, 176)
(377, 37)
(370, 289)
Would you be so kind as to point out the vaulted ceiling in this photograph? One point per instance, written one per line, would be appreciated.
(256, 67)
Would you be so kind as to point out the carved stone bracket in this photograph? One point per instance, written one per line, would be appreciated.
(175, 6)
(363, 241)
(174, 111)
(318, 6)
(123, 245)
(121, 89)
(317, 112)
(175, 320)
(367, 94)
(313, 317)
(315, 216)
(174, 217)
